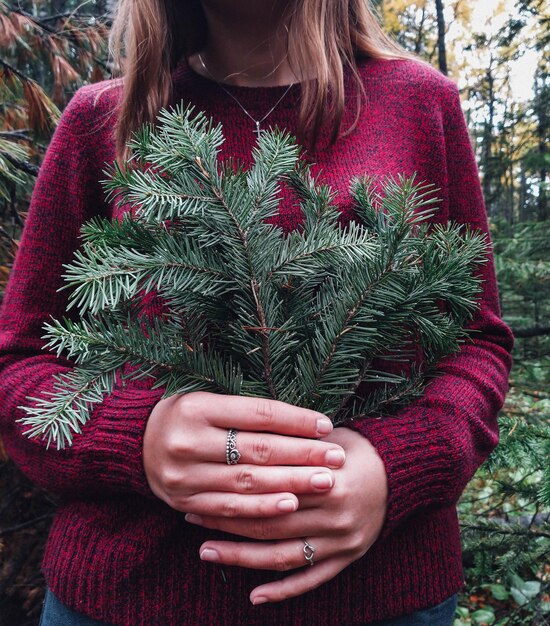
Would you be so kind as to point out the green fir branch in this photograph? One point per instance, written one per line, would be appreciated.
(57, 417)
(247, 308)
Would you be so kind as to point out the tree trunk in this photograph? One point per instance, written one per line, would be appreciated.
(418, 43)
(522, 199)
(542, 101)
(488, 143)
(442, 52)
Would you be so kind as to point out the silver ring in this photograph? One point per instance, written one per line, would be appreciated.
(309, 551)
(232, 455)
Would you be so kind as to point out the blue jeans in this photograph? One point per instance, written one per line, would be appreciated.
(439, 615)
(55, 613)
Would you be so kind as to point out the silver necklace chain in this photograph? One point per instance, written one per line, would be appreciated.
(257, 123)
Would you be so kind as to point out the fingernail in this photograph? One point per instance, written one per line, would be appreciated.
(335, 457)
(321, 481)
(193, 519)
(259, 600)
(324, 426)
(209, 555)
(288, 506)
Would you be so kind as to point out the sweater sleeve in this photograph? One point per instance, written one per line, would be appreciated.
(432, 448)
(106, 458)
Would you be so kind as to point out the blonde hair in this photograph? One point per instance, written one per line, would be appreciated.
(325, 35)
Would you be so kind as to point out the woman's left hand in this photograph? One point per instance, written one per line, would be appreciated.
(340, 524)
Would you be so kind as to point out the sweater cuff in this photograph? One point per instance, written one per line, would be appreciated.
(116, 435)
(422, 459)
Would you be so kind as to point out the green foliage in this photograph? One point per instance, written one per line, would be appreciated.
(505, 513)
(300, 317)
(522, 258)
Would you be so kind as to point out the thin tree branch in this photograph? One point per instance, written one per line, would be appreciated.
(24, 166)
(533, 331)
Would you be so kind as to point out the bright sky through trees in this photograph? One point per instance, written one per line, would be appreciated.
(488, 16)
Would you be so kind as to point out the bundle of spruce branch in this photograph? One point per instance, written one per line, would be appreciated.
(302, 317)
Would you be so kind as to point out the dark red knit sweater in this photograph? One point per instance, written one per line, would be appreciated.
(117, 553)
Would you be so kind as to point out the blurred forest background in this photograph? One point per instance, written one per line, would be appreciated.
(498, 53)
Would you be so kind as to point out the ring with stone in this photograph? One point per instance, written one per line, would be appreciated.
(232, 455)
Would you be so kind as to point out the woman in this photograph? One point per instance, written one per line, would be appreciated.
(354, 525)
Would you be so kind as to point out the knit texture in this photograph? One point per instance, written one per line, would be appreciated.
(116, 552)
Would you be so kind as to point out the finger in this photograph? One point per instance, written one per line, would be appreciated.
(256, 479)
(268, 449)
(280, 556)
(262, 414)
(235, 505)
(299, 583)
(299, 524)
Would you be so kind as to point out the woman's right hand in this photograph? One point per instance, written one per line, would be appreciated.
(184, 454)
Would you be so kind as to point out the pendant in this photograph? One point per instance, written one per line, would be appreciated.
(258, 129)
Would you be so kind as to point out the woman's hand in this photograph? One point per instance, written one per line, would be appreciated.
(184, 455)
(341, 525)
